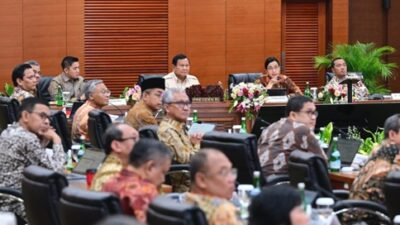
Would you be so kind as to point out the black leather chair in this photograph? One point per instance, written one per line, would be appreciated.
(236, 78)
(259, 126)
(58, 121)
(241, 149)
(166, 211)
(312, 170)
(8, 111)
(391, 190)
(41, 190)
(78, 206)
(329, 76)
(42, 88)
(143, 77)
(12, 195)
(149, 131)
(97, 124)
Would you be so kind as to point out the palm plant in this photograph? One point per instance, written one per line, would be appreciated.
(364, 58)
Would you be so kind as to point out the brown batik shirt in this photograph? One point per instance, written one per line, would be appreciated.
(280, 139)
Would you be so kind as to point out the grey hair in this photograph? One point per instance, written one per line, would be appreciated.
(32, 62)
(392, 123)
(89, 87)
(168, 95)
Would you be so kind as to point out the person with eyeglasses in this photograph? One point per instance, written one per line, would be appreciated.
(24, 143)
(294, 132)
(97, 95)
(212, 185)
(119, 140)
(143, 112)
(274, 79)
(24, 81)
(137, 184)
(69, 80)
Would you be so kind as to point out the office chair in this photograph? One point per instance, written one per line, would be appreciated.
(78, 206)
(149, 131)
(8, 111)
(97, 124)
(241, 150)
(58, 120)
(14, 197)
(391, 189)
(41, 190)
(42, 88)
(166, 211)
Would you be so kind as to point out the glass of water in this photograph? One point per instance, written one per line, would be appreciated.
(244, 199)
(66, 96)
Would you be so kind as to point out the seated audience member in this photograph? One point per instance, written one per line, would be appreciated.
(143, 112)
(97, 96)
(136, 185)
(369, 183)
(339, 68)
(279, 205)
(69, 79)
(172, 131)
(274, 79)
(119, 140)
(179, 77)
(36, 68)
(288, 134)
(213, 182)
(24, 81)
(23, 144)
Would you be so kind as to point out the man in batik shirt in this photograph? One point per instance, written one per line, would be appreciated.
(339, 68)
(288, 134)
(136, 185)
(119, 140)
(25, 81)
(24, 143)
(213, 182)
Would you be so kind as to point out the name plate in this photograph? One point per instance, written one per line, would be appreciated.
(275, 99)
(206, 99)
(117, 101)
(395, 96)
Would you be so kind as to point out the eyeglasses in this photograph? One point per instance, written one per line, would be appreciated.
(273, 67)
(105, 92)
(182, 104)
(43, 115)
(310, 113)
(225, 172)
(127, 138)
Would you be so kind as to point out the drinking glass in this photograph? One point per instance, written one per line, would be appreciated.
(66, 96)
(189, 122)
(244, 199)
(236, 128)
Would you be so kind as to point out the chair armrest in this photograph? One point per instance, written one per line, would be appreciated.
(362, 204)
(11, 192)
(277, 179)
(341, 194)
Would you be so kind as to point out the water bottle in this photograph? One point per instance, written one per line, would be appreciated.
(59, 97)
(307, 91)
(334, 159)
(70, 166)
(82, 148)
(195, 116)
(301, 188)
(243, 126)
(256, 184)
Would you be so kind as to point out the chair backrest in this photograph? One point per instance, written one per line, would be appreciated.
(43, 86)
(259, 126)
(8, 111)
(97, 124)
(391, 189)
(166, 211)
(241, 149)
(329, 76)
(312, 170)
(58, 121)
(78, 206)
(41, 191)
(149, 131)
(14, 197)
(143, 77)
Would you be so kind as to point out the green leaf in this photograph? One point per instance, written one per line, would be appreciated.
(9, 89)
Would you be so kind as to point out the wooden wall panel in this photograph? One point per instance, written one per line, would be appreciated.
(340, 21)
(245, 36)
(176, 29)
(75, 31)
(45, 34)
(273, 29)
(394, 40)
(10, 38)
(206, 39)
(124, 39)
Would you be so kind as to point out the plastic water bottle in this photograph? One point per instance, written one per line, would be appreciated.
(82, 148)
(324, 211)
(307, 91)
(195, 116)
(301, 188)
(243, 126)
(59, 97)
(256, 184)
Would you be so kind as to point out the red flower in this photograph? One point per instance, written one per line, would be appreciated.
(256, 93)
(331, 90)
(245, 92)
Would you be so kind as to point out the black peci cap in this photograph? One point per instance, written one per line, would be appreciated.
(154, 82)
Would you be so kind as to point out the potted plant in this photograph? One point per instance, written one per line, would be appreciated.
(364, 58)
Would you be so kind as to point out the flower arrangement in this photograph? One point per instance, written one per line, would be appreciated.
(248, 98)
(132, 95)
(332, 93)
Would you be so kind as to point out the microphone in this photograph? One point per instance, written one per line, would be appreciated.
(121, 115)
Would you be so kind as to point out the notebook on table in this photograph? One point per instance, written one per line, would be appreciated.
(348, 149)
(90, 160)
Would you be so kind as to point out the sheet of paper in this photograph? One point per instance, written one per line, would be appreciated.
(201, 128)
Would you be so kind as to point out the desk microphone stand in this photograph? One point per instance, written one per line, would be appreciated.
(350, 80)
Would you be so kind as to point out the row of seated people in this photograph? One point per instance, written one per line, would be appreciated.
(301, 103)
